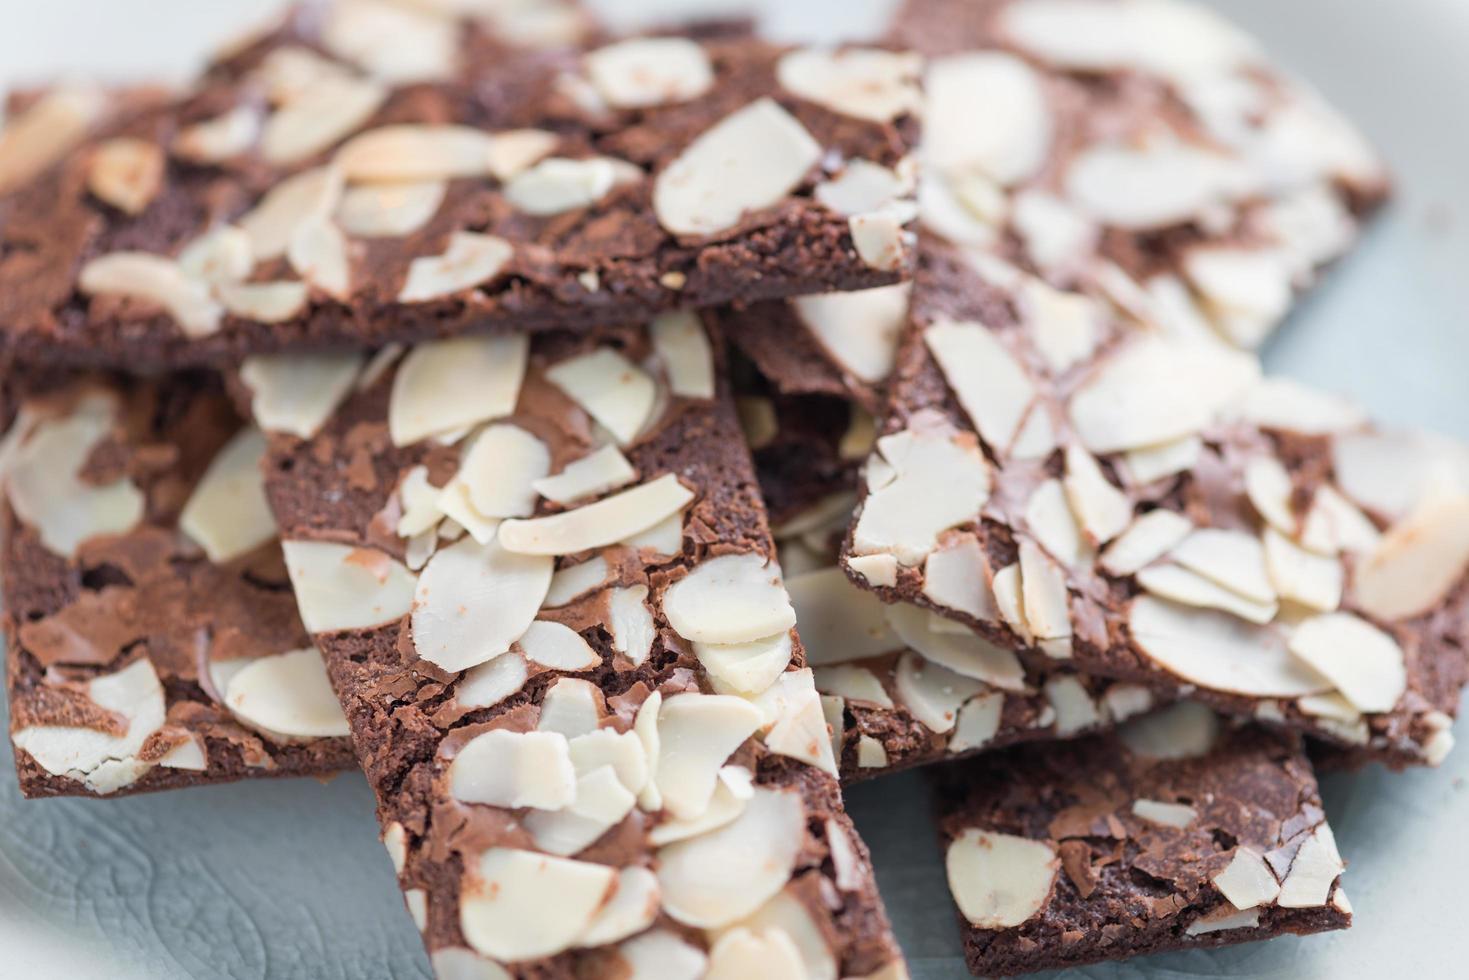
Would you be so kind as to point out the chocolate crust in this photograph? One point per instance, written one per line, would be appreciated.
(1126, 886)
(147, 594)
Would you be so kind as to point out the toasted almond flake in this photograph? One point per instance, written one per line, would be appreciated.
(318, 254)
(956, 576)
(1364, 663)
(1192, 589)
(749, 160)
(1419, 560)
(506, 897)
(1166, 814)
(507, 768)
(188, 754)
(1152, 463)
(33, 140)
(878, 570)
(733, 790)
(297, 393)
(1149, 538)
(1223, 919)
(416, 152)
(311, 195)
(718, 878)
(1232, 559)
(471, 260)
(999, 880)
(490, 683)
(931, 693)
(445, 385)
(859, 329)
(1185, 730)
(601, 803)
(1047, 603)
(1072, 702)
(597, 525)
(978, 722)
(687, 357)
(852, 684)
(862, 186)
(572, 707)
(1247, 290)
(661, 955)
(1248, 881)
(1154, 390)
(287, 696)
(140, 275)
(730, 599)
(838, 622)
(222, 255)
(220, 138)
(264, 302)
(1314, 581)
(558, 184)
(1010, 143)
(649, 71)
(389, 210)
(965, 653)
(42, 480)
(1102, 510)
(745, 668)
(1219, 651)
(614, 391)
(1142, 188)
(596, 473)
(474, 600)
(126, 173)
(499, 470)
(1268, 485)
(1280, 403)
(339, 587)
(1010, 600)
(575, 580)
(1049, 518)
(1316, 867)
(227, 513)
(989, 382)
(1334, 524)
(323, 114)
(84, 754)
(1056, 235)
(557, 646)
(935, 478)
(865, 83)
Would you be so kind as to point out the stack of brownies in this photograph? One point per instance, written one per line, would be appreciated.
(388, 398)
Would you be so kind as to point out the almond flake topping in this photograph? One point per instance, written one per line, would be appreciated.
(227, 514)
(729, 599)
(1365, 664)
(1000, 880)
(859, 329)
(614, 391)
(297, 393)
(865, 83)
(597, 525)
(287, 696)
(127, 173)
(522, 905)
(650, 71)
(1008, 144)
(339, 587)
(154, 279)
(474, 600)
(470, 260)
(446, 385)
(683, 347)
(390, 210)
(416, 152)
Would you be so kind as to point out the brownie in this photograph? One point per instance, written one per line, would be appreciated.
(1176, 832)
(319, 189)
(1149, 148)
(541, 574)
(152, 638)
(1139, 502)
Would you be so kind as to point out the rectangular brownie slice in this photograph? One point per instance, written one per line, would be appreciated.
(320, 188)
(543, 580)
(152, 639)
(1143, 504)
(1147, 148)
(1176, 832)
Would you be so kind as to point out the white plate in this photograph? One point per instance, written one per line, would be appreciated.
(286, 880)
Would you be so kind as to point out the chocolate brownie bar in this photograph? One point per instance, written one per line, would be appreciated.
(542, 577)
(1145, 505)
(153, 641)
(1144, 146)
(315, 190)
(1176, 832)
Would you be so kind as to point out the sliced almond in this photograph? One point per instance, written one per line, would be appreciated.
(471, 260)
(559, 184)
(339, 587)
(860, 187)
(632, 908)
(1142, 188)
(799, 731)
(1000, 880)
(287, 695)
(687, 357)
(1047, 602)
(600, 524)
(1151, 463)
(601, 803)
(1389, 472)
(1223, 919)
(749, 160)
(446, 385)
(865, 83)
(745, 668)
(1418, 562)
(127, 173)
(390, 210)
(1316, 867)
(311, 195)
(154, 279)
(594, 474)
(1247, 881)
(989, 382)
(220, 138)
(576, 580)
(1149, 538)
(786, 914)
(739, 952)
(557, 646)
(499, 470)
(852, 684)
(1010, 600)
(490, 683)
(572, 707)
(513, 769)
(33, 140)
(838, 621)
(631, 623)
(1049, 517)
(859, 329)
(621, 751)
(474, 600)
(696, 734)
(222, 255)
(956, 577)
(1192, 589)
(660, 954)
(731, 793)
(649, 71)
(1219, 652)
(297, 393)
(1364, 663)
(1247, 290)
(614, 391)
(879, 570)
(318, 253)
(1056, 235)
(932, 694)
(507, 899)
(395, 42)
(326, 112)
(1185, 730)
(1164, 814)
(1334, 524)
(729, 599)
(416, 152)
(1009, 144)
(264, 302)
(1314, 581)
(978, 722)
(227, 514)
(514, 151)
(1102, 510)
(1269, 487)
(964, 652)
(1075, 709)
(1232, 559)
(718, 878)
(1280, 403)
(881, 238)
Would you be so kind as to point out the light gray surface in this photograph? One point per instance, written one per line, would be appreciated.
(287, 880)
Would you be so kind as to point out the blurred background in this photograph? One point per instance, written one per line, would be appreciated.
(287, 880)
